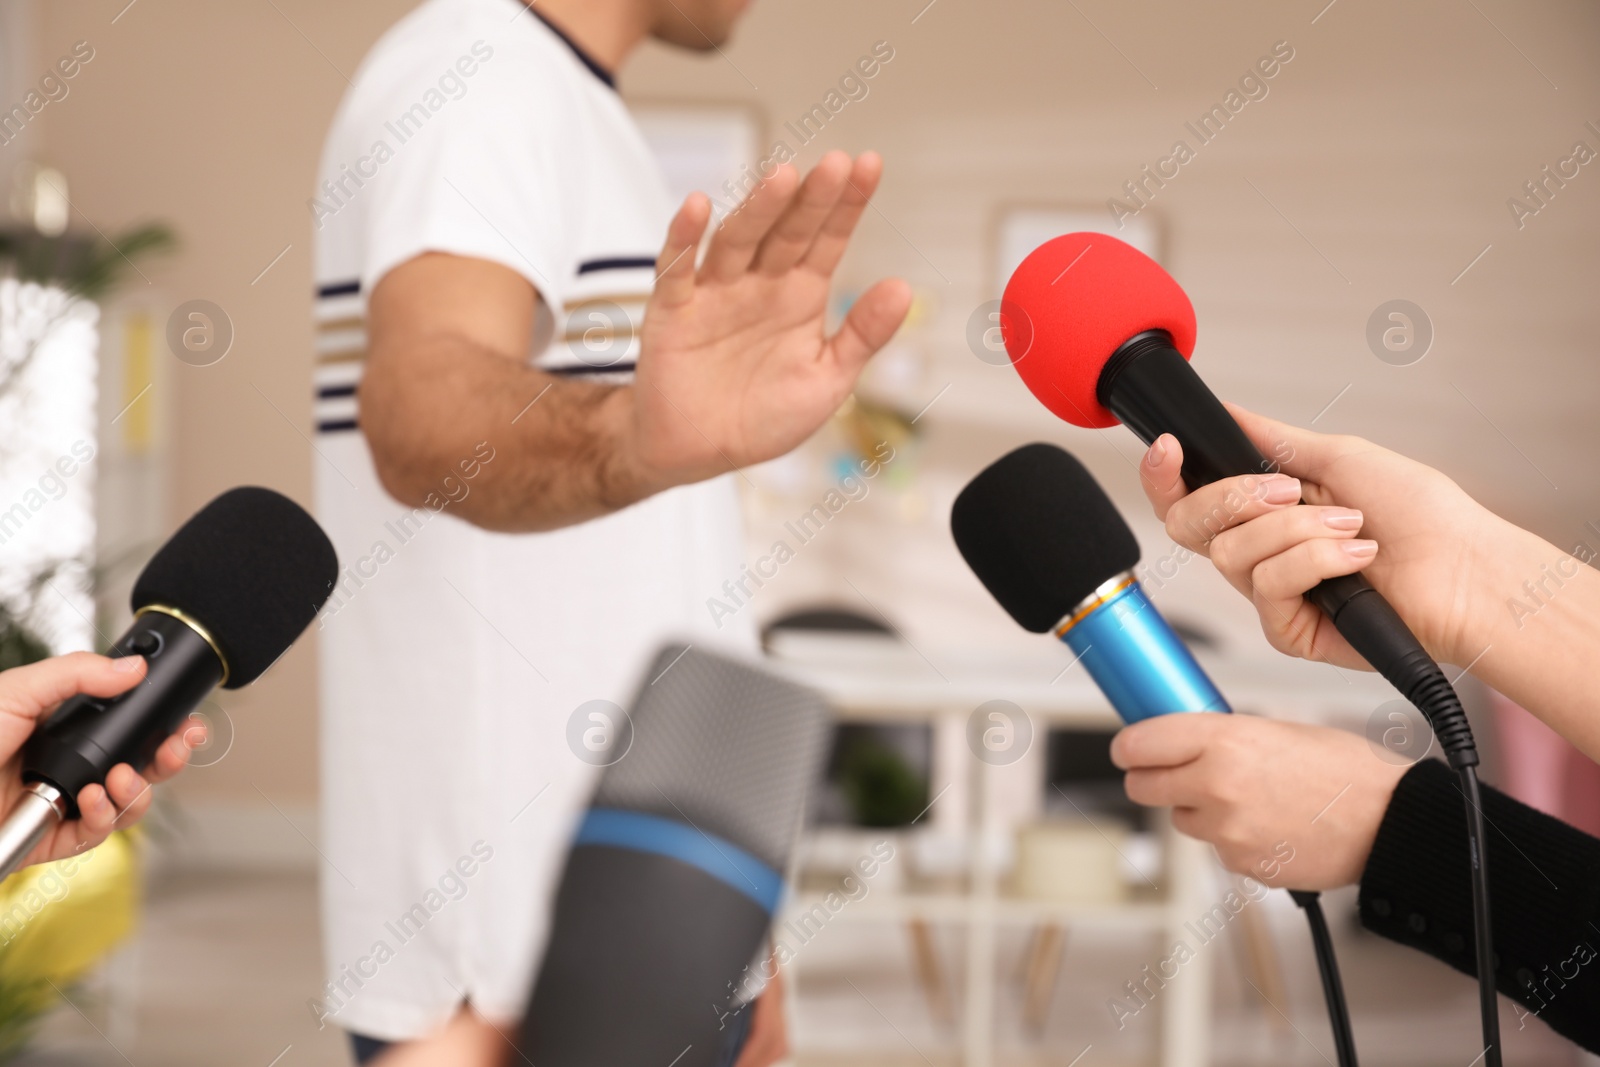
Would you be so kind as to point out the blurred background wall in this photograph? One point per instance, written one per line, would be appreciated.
(1377, 167)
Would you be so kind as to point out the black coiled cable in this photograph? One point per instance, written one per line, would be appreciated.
(1436, 698)
(1344, 1041)
(1374, 629)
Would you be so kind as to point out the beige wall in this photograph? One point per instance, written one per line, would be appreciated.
(211, 116)
(1388, 146)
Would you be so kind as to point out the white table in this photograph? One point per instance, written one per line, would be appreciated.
(879, 679)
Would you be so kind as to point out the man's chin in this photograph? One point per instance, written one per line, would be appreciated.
(702, 26)
(694, 38)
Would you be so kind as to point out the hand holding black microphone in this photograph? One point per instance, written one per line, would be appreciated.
(1332, 494)
(216, 605)
(31, 693)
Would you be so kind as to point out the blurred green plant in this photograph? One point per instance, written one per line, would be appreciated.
(881, 787)
(20, 1013)
(18, 646)
(86, 267)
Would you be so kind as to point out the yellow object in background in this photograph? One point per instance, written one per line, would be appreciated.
(138, 375)
(57, 920)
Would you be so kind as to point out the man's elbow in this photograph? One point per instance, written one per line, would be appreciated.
(400, 456)
(419, 476)
(398, 475)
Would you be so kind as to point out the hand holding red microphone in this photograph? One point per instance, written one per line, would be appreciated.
(1337, 506)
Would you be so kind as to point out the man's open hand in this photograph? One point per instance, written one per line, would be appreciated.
(735, 364)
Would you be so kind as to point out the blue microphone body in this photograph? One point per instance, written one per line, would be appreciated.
(1133, 655)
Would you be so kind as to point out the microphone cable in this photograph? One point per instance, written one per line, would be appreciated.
(1344, 1041)
(1436, 698)
(1399, 657)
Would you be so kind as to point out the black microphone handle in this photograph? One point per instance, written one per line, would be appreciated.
(87, 736)
(1150, 386)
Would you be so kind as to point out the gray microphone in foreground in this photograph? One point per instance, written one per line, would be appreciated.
(677, 868)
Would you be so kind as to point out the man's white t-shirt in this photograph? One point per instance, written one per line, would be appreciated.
(453, 659)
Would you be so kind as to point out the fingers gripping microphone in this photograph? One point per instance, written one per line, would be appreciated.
(675, 872)
(1100, 333)
(1049, 545)
(216, 605)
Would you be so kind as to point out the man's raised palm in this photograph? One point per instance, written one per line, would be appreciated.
(735, 363)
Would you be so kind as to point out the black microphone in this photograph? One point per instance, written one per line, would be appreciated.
(670, 887)
(216, 605)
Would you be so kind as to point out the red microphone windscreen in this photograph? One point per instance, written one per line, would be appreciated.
(1071, 304)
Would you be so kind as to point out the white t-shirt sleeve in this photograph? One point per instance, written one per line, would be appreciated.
(484, 180)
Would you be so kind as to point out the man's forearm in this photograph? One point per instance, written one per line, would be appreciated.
(562, 448)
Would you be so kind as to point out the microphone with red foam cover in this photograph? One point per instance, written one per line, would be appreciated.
(1101, 333)
(1071, 303)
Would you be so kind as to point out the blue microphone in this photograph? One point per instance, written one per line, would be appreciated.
(1049, 545)
(1047, 542)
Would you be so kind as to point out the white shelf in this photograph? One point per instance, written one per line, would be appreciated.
(953, 907)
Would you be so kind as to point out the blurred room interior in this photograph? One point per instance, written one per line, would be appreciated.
(1376, 165)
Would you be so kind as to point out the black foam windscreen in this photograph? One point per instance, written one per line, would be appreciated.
(1040, 534)
(252, 568)
(727, 747)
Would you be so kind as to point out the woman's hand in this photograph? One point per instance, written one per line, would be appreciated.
(1424, 543)
(29, 694)
(768, 1040)
(1292, 805)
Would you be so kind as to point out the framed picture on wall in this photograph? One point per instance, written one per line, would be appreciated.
(712, 148)
(1022, 228)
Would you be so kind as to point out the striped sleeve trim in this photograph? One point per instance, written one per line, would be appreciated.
(616, 263)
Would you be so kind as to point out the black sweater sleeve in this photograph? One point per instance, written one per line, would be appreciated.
(1544, 888)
